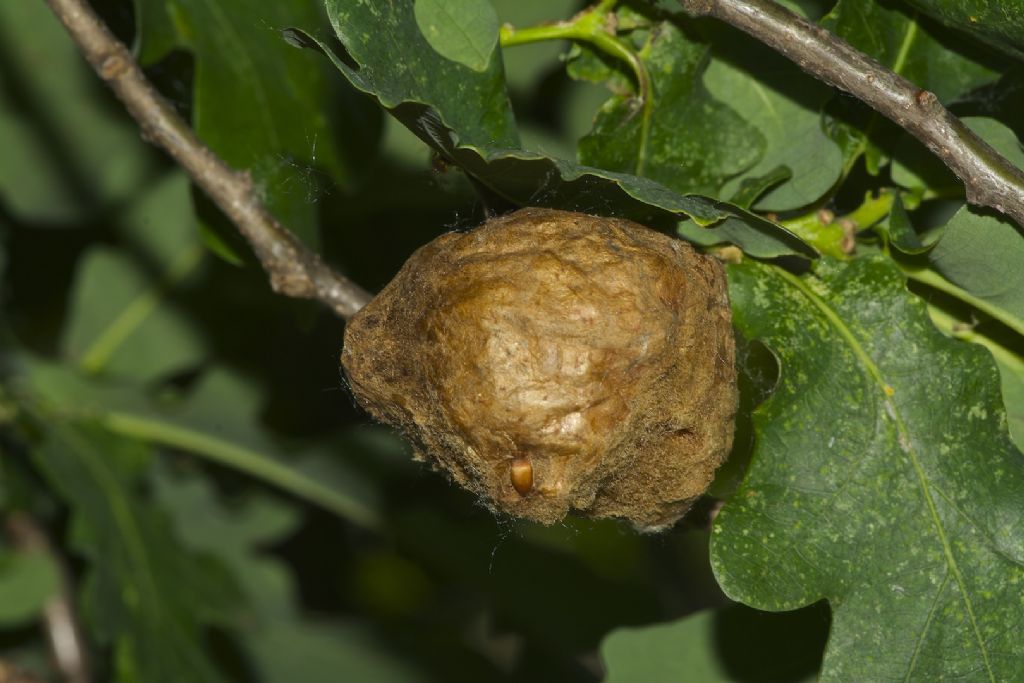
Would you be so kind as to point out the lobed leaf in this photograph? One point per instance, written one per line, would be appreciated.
(684, 139)
(395, 63)
(464, 31)
(283, 644)
(978, 252)
(899, 39)
(1011, 372)
(325, 652)
(66, 155)
(584, 63)
(785, 105)
(1010, 362)
(259, 103)
(133, 594)
(222, 414)
(219, 422)
(914, 48)
(982, 254)
(883, 480)
(900, 233)
(466, 116)
(121, 321)
(1000, 24)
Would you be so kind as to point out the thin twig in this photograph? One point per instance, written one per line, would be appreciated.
(293, 269)
(59, 615)
(989, 179)
(596, 26)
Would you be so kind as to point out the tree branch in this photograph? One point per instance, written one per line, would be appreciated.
(989, 179)
(293, 269)
(60, 617)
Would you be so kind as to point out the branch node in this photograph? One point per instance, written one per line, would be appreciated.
(989, 179)
(925, 99)
(60, 618)
(113, 66)
(292, 269)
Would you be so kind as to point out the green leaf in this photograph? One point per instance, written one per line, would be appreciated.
(785, 106)
(731, 645)
(235, 534)
(917, 168)
(68, 152)
(753, 187)
(584, 63)
(118, 324)
(983, 254)
(883, 480)
(121, 322)
(144, 592)
(3, 261)
(459, 546)
(683, 138)
(1011, 372)
(1010, 362)
(27, 581)
(1000, 100)
(1000, 24)
(464, 31)
(758, 243)
(219, 422)
(901, 233)
(472, 125)
(399, 67)
(261, 104)
(897, 38)
(533, 179)
(918, 50)
(325, 652)
(285, 646)
(977, 251)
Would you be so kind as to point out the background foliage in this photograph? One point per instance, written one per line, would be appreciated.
(226, 513)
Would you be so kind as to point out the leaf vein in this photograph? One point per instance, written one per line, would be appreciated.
(977, 527)
(927, 625)
(872, 369)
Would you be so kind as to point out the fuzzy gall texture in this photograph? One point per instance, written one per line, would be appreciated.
(552, 361)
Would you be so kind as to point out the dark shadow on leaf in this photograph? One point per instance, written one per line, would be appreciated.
(963, 43)
(773, 70)
(173, 75)
(757, 375)
(1002, 100)
(297, 37)
(771, 647)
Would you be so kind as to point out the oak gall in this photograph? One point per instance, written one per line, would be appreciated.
(552, 361)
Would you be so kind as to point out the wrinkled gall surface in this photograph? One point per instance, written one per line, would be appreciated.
(552, 361)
